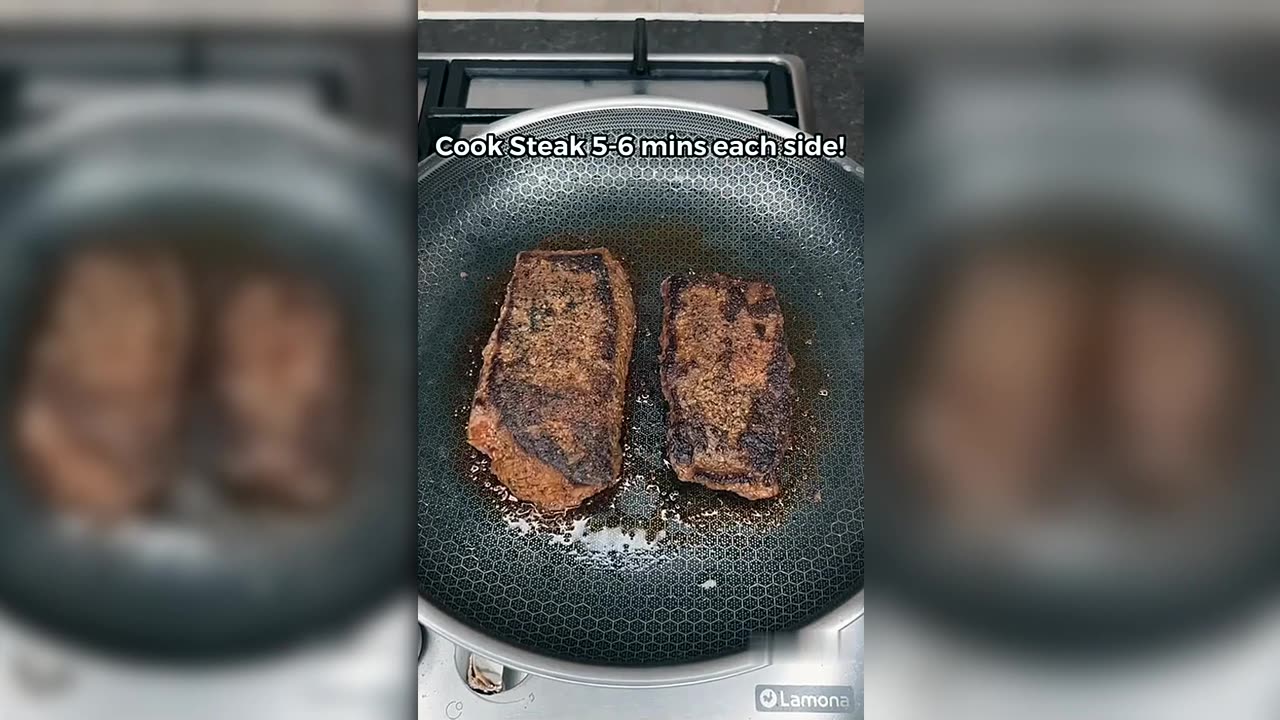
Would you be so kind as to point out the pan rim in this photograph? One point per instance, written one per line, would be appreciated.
(48, 218)
(758, 654)
(431, 164)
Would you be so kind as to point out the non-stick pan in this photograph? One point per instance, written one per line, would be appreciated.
(206, 176)
(655, 573)
(1096, 181)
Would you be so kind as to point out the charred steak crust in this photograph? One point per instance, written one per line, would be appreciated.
(549, 404)
(726, 375)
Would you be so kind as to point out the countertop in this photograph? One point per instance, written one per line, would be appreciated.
(832, 52)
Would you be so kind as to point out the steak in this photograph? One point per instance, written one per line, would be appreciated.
(283, 385)
(549, 404)
(726, 375)
(97, 420)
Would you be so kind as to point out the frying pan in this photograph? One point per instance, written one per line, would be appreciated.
(654, 582)
(206, 175)
(1094, 174)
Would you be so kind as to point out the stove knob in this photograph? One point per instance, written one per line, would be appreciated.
(484, 675)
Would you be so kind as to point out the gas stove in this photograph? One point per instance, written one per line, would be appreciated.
(460, 93)
(813, 673)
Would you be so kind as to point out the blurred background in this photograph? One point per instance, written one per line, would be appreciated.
(1071, 312)
(206, 347)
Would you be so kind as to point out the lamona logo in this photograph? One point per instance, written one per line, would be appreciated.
(822, 702)
(803, 698)
(768, 697)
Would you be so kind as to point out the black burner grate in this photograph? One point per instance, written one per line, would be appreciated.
(446, 112)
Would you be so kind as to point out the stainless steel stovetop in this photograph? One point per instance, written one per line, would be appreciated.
(460, 93)
(815, 673)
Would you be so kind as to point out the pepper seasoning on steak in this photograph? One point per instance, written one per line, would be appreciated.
(726, 375)
(548, 408)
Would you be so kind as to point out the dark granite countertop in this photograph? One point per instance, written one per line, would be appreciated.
(832, 52)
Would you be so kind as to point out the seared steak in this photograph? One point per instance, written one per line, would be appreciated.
(283, 388)
(97, 420)
(988, 411)
(726, 374)
(548, 408)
